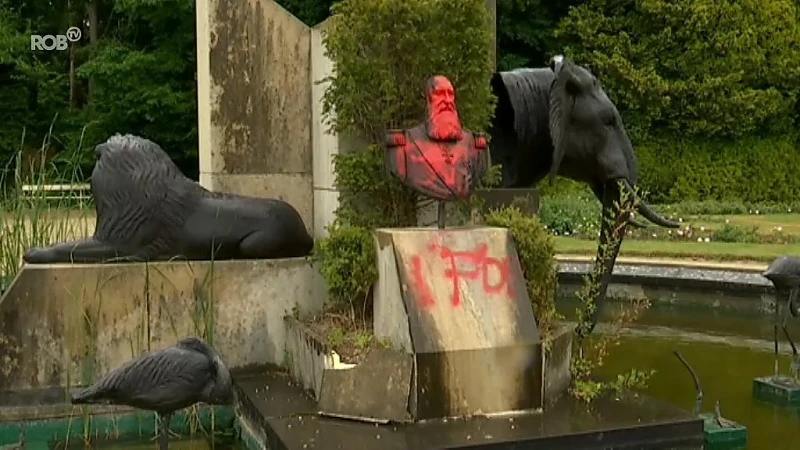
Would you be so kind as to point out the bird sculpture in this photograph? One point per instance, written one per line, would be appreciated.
(784, 273)
(698, 403)
(165, 381)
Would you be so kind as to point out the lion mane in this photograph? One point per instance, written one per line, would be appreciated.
(142, 198)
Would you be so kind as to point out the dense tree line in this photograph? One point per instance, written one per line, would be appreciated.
(708, 88)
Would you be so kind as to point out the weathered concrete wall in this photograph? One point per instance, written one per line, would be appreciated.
(734, 288)
(64, 325)
(260, 121)
(325, 144)
(254, 101)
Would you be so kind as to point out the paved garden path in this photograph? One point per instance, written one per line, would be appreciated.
(686, 262)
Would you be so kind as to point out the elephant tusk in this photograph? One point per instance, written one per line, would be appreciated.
(636, 223)
(648, 212)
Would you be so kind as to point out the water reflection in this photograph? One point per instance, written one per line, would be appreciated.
(726, 373)
(175, 444)
(727, 350)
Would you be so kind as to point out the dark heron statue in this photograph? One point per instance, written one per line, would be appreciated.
(165, 381)
(784, 274)
(698, 403)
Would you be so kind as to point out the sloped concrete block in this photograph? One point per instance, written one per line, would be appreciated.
(456, 299)
(68, 324)
(61, 323)
(462, 289)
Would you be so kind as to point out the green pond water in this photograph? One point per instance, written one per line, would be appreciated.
(176, 444)
(727, 350)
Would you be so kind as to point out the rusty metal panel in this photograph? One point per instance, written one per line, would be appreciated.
(463, 289)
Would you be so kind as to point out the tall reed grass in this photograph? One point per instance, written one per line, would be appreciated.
(36, 218)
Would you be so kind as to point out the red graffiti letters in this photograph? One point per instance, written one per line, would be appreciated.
(474, 265)
(421, 288)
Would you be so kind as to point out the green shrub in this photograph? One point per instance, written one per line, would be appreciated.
(571, 213)
(368, 196)
(535, 248)
(384, 51)
(726, 207)
(735, 233)
(562, 186)
(751, 169)
(347, 263)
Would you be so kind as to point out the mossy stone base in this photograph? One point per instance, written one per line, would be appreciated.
(781, 391)
(723, 438)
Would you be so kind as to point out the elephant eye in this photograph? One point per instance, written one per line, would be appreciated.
(610, 121)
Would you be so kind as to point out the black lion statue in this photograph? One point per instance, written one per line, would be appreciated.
(147, 210)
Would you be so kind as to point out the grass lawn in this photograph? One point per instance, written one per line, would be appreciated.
(713, 251)
(790, 223)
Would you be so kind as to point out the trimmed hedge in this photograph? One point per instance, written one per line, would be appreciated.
(751, 169)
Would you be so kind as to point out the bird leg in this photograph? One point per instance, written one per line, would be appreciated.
(721, 421)
(775, 321)
(164, 431)
(795, 365)
(158, 435)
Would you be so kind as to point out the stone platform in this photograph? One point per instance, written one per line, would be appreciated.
(452, 310)
(781, 391)
(723, 438)
(456, 300)
(274, 412)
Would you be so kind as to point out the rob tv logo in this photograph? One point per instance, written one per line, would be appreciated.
(58, 42)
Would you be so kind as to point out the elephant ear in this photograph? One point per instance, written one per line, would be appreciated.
(521, 117)
(562, 98)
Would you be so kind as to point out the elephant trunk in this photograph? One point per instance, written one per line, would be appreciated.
(612, 231)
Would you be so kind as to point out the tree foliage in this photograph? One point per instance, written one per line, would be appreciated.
(385, 50)
(694, 79)
(699, 67)
(525, 31)
(310, 12)
(133, 71)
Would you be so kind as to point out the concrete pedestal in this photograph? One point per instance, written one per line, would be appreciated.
(723, 438)
(780, 390)
(456, 300)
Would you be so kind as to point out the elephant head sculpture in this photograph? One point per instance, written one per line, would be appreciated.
(558, 120)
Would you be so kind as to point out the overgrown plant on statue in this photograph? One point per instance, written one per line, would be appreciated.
(536, 251)
(592, 352)
(558, 121)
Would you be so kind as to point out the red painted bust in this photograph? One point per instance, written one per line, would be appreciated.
(437, 157)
